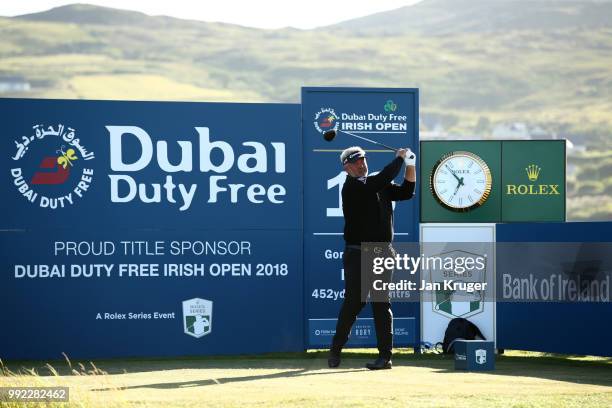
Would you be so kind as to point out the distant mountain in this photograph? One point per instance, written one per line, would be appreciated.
(464, 16)
(480, 66)
(428, 16)
(90, 14)
(545, 63)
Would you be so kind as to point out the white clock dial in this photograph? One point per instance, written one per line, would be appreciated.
(461, 181)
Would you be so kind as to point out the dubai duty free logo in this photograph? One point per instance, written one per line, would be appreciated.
(326, 119)
(51, 168)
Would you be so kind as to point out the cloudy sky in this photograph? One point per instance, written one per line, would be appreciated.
(261, 13)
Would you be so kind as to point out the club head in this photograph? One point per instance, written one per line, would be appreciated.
(329, 135)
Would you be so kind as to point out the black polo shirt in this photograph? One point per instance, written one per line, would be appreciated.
(366, 204)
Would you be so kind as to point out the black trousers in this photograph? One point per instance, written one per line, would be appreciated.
(353, 303)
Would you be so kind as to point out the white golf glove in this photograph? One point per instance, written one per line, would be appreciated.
(410, 158)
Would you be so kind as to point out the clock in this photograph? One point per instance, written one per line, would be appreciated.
(461, 181)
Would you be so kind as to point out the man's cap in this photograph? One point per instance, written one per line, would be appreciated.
(352, 154)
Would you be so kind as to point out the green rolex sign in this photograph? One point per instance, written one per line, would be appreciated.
(533, 180)
(493, 181)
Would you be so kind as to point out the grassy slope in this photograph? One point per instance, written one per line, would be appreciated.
(558, 79)
(520, 380)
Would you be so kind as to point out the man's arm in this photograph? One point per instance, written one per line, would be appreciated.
(405, 191)
(386, 175)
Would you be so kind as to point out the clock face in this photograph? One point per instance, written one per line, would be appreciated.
(461, 181)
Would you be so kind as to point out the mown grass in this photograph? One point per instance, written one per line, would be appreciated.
(521, 379)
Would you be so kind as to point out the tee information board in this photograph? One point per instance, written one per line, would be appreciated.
(389, 116)
(149, 229)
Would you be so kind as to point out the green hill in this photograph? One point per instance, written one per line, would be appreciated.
(478, 63)
(435, 17)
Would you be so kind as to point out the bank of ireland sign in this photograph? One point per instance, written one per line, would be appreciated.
(197, 317)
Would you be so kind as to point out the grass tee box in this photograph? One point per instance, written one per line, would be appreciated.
(474, 355)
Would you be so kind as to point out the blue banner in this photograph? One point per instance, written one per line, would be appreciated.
(150, 229)
(575, 325)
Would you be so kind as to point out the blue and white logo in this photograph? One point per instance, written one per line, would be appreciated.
(197, 317)
(481, 356)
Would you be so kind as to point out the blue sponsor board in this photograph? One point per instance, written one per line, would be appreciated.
(579, 326)
(389, 116)
(150, 229)
(363, 333)
(150, 165)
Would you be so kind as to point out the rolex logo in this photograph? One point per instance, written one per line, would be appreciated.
(533, 171)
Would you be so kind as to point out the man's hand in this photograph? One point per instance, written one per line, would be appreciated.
(409, 157)
(401, 153)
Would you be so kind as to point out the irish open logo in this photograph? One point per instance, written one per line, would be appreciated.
(326, 119)
(197, 317)
(51, 167)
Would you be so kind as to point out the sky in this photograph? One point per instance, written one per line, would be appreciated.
(251, 13)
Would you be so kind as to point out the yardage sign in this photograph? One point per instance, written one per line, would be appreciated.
(389, 116)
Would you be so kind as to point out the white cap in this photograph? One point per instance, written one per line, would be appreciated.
(351, 154)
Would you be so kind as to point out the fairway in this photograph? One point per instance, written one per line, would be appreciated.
(294, 380)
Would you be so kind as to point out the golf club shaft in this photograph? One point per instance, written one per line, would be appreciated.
(393, 149)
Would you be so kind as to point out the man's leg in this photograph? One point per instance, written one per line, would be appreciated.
(383, 320)
(352, 304)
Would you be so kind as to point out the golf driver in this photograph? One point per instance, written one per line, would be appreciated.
(331, 134)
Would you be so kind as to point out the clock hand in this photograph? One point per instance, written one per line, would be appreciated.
(455, 193)
(453, 173)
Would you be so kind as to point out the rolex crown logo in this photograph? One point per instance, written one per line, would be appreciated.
(533, 171)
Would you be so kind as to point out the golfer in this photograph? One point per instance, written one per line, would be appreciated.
(368, 217)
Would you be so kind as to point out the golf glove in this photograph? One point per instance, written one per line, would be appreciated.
(410, 158)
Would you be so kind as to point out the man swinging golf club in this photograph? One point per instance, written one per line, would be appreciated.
(368, 216)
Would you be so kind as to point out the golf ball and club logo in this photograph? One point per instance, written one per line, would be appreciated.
(46, 166)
